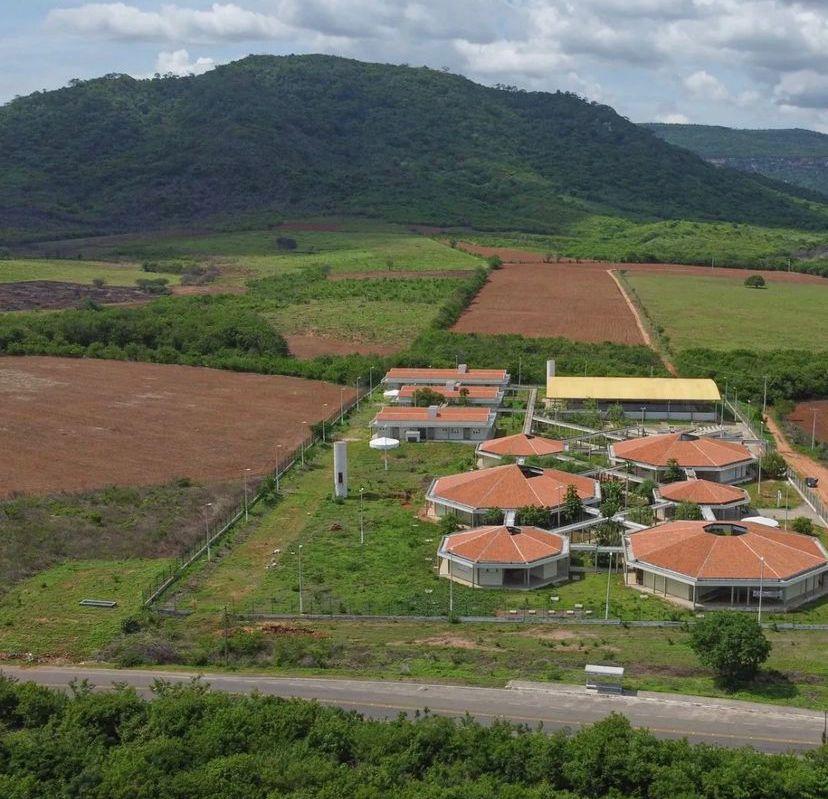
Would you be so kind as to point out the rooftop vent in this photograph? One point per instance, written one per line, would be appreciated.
(462, 368)
(723, 528)
(433, 410)
(513, 530)
(688, 437)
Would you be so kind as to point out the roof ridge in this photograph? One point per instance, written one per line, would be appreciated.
(759, 557)
(761, 534)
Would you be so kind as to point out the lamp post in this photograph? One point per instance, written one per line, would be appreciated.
(361, 518)
(759, 462)
(813, 428)
(301, 604)
(643, 409)
(341, 403)
(357, 391)
(451, 588)
(764, 395)
(761, 586)
(304, 435)
(278, 466)
(609, 574)
(370, 380)
(244, 478)
(787, 485)
(207, 529)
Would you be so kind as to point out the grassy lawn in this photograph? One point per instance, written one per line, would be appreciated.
(42, 614)
(724, 314)
(393, 572)
(70, 271)
(773, 494)
(347, 251)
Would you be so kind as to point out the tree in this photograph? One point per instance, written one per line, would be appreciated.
(590, 415)
(286, 243)
(673, 472)
(645, 489)
(533, 515)
(464, 396)
(425, 397)
(731, 643)
(688, 511)
(616, 415)
(802, 524)
(449, 524)
(573, 506)
(493, 516)
(774, 466)
(755, 282)
(98, 282)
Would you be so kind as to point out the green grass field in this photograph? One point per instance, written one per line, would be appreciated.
(42, 616)
(359, 250)
(69, 271)
(723, 314)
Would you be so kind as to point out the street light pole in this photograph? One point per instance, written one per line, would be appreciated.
(304, 434)
(813, 428)
(787, 486)
(764, 396)
(361, 519)
(761, 586)
(642, 419)
(370, 380)
(301, 605)
(761, 455)
(341, 403)
(244, 476)
(278, 466)
(207, 530)
(609, 574)
(357, 392)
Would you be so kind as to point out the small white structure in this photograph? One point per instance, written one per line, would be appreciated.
(766, 520)
(604, 678)
(436, 423)
(383, 444)
(340, 473)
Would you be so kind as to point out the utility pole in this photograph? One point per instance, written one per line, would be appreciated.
(787, 486)
(341, 403)
(765, 396)
(520, 370)
(357, 392)
(370, 380)
(361, 519)
(278, 466)
(301, 604)
(813, 428)
(302, 447)
(761, 586)
(609, 574)
(207, 529)
(244, 477)
(226, 635)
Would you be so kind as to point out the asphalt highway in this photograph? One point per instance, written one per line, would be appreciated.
(768, 728)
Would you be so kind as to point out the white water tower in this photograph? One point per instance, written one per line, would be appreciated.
(340, 474)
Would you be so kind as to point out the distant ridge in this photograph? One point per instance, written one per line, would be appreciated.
(319, 134)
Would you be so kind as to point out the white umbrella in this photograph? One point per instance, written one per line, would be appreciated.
(383, 444)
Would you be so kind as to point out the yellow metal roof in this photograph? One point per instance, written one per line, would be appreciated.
(657, 389)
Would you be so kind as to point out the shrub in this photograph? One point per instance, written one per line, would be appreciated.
(425, 397)
(534, 516)
(773, 466)
(449, 524)
(673, 472)
(755, 282)
(688, 511)
(98, 282)
(286, 243)
(731, 643)
(802, 524)
(494, 262)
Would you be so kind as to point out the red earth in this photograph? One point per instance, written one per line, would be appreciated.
(80, 424)
(803, 417)
(304, 345)
(578, 300)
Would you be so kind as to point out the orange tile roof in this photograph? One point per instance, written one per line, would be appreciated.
(702, 492)
(446, 414)
(690, 549)
(499, 544)
(522, 446)
(511, 487)
(474, 392)
(688, 451)
(403, 373)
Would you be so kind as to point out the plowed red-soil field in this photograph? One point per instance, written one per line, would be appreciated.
(803, 417)
(581, 302)
(79, 424)
(576, 300)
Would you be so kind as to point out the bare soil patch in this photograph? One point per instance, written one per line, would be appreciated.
(453, 641)
(35, 295)
(576, 301)
(306, 345)
(803, 417)
(80, 424)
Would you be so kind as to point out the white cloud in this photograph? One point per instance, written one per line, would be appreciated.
(705, 86)
(173, 23)
(509, 58)
(672, 119)
(803, 89)
(177, 62)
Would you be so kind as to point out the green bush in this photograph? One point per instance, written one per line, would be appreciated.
(773, 466)
(803, 525)
(731, 643)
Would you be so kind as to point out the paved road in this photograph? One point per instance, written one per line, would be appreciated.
(768, 728)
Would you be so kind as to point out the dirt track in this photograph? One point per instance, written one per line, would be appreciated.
(79, 424)
(803, 417)
(805, 466)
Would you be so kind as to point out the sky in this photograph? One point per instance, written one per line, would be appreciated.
(741, 63)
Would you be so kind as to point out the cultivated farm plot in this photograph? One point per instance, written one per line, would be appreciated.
(804, 418)
(71, 271)
(581, 302)
(723, 314)
(76, 425)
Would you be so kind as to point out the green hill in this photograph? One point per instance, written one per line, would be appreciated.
(319, 134)
(795, 156)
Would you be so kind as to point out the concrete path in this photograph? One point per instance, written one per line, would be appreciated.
(768, 728)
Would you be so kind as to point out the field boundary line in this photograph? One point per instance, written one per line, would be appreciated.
(637, 313)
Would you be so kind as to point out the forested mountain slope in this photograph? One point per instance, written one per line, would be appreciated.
(792, 155)
(319, 134)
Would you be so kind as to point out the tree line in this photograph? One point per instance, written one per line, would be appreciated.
(191, 743)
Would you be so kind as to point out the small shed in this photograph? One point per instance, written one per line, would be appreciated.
(605, 678)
